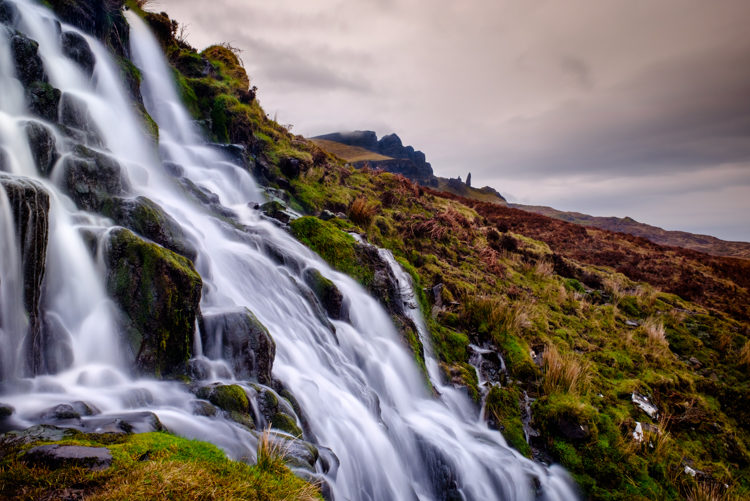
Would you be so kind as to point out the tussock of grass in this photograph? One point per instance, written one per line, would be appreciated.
(563, 373)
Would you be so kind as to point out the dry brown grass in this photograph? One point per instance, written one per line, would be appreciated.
(363, 211)
(564, 373)
(655, 333)
(745, 355)
(709, 491)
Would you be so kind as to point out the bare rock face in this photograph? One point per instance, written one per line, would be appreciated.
(77, 48)
(239, 337)
(29, 202)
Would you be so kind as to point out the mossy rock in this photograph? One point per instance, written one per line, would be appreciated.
(327, 293)
(229, 397)
(148, 219)
(286, 423)
(159, 293)
(567, 417)
(92, 178)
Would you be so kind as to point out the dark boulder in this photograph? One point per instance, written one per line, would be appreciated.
(159, 293)
(77, 48)
(65, 456)
(103, 19)
(276, 210)
(91, 178)
(74, 114)
(43, 100)
(8, 13)
(6, 410)
(29, 202)
(327, 293)
(43, 146)
(238, 337)
(29, 66)
(149, 220)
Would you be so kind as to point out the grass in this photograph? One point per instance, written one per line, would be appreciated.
(563, 373)
(349, 153)
(154, 466)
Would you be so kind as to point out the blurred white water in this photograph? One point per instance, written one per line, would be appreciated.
(359, 389)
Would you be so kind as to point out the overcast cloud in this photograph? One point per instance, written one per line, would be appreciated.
(634, 108)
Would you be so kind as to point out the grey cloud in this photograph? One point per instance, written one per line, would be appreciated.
(578, 70)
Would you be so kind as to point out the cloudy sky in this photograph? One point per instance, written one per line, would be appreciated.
(635, 108)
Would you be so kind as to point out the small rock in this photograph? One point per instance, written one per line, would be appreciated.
(77, 48)
(638, 432)
(646, 406)
(327, 215)
(6, 411)
(60, 456)
(631, 323)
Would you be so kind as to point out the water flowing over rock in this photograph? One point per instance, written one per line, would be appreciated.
(309, 353)
(159, 292)
(29, 203)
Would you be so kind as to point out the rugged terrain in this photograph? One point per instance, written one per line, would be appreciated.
(621, 359)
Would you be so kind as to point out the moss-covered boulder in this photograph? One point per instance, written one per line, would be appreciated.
(327, 293)
(229, 397)
(146, 218)
(238, 337)
(92, 178)
(159, 293)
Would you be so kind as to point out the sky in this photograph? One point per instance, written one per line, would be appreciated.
(636, 108)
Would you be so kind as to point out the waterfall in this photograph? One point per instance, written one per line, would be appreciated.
(361, 395)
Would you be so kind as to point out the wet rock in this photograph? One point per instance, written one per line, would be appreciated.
(8, 13)
(149, 220)
(174, 169)
(91, 178)
(299, 454)
(43, 100)
(65, 456)
(327, 215)
(60, 412)
(128, 422)
(327, 293)
(6, 410)
(29, 66)
(29, 202)
(229, 397)
(206, 197)
(43, 146)
(203, 408)
(38, 433)
(275, 210)
(159, 293)
(77, 48)
(74, 113)
(239, 337)
(104, 20)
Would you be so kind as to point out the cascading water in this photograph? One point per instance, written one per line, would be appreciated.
(359, 390)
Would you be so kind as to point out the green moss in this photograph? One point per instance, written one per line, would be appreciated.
(503, 406)
(333, 245)
(286, 423)
(230, 398)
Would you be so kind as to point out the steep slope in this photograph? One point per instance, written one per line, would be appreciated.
(700, 243)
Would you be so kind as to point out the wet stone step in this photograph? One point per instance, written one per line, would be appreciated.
(62, 456)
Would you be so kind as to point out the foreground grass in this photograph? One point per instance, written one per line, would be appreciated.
(153, 466)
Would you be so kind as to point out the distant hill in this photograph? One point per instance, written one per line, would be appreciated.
(700, 243)
(388, 153)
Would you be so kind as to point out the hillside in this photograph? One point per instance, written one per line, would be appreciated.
(620, 359)
(700, 243)
(348, 153)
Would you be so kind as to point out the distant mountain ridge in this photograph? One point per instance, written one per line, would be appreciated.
(700, 243)
(363, 148)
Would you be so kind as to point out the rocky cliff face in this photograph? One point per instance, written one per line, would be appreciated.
(406, 161)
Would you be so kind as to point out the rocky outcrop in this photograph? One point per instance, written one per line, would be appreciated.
(149, 220)
(29, 203)
(406, 161)
(92, 178)
(159, 292)
(238, 337)
(103, 19)
(77, 48)
(43, 146)
(327, 293)
(29, 66)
